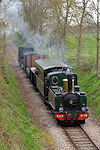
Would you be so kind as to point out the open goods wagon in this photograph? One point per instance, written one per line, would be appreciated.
(21, 50)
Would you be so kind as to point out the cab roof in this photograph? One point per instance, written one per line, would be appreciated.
(32, 53)
(49, 63)
(29, 53)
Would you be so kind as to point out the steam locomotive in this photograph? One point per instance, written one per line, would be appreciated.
(58, 85)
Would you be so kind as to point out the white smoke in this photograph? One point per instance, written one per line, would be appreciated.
(47, 44)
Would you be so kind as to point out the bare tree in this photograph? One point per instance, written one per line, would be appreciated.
(62, 10)
(2, 47)
(36, 14)
(95, 27)
(82, 8)
(97, 62)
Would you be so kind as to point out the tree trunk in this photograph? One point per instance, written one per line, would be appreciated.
(97, 60)
(80, 34)
(79, 48)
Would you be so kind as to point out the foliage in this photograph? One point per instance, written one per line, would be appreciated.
(70, 41)
(20, 38)
(17, 38)
(17, 130)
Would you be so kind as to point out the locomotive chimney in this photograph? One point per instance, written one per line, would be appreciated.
(70, 83)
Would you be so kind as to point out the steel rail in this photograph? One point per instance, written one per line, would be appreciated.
(85, 134)
(70, 138)
(89, 138)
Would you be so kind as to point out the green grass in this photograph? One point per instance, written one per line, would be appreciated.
(17, 130)
(86, 73)
(88, 51)
(91, 85)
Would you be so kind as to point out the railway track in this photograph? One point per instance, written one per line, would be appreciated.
(80, 139)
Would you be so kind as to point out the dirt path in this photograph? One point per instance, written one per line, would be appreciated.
(41, 116)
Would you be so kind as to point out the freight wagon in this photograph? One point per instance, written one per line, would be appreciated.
(21, 50)
(29, 60)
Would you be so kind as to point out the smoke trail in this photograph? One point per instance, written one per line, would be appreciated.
(47, 44)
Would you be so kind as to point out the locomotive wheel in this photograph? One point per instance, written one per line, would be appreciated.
(48, 107)
(45, 103)
(82, 121)
(58, 122)
(61, 123)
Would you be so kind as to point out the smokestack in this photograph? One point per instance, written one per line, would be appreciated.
(70, 83)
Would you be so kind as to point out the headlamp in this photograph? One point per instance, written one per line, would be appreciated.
(61, 109)
(83, 109)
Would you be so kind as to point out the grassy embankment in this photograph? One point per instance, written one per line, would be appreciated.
(86, 73)
(17, 130)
